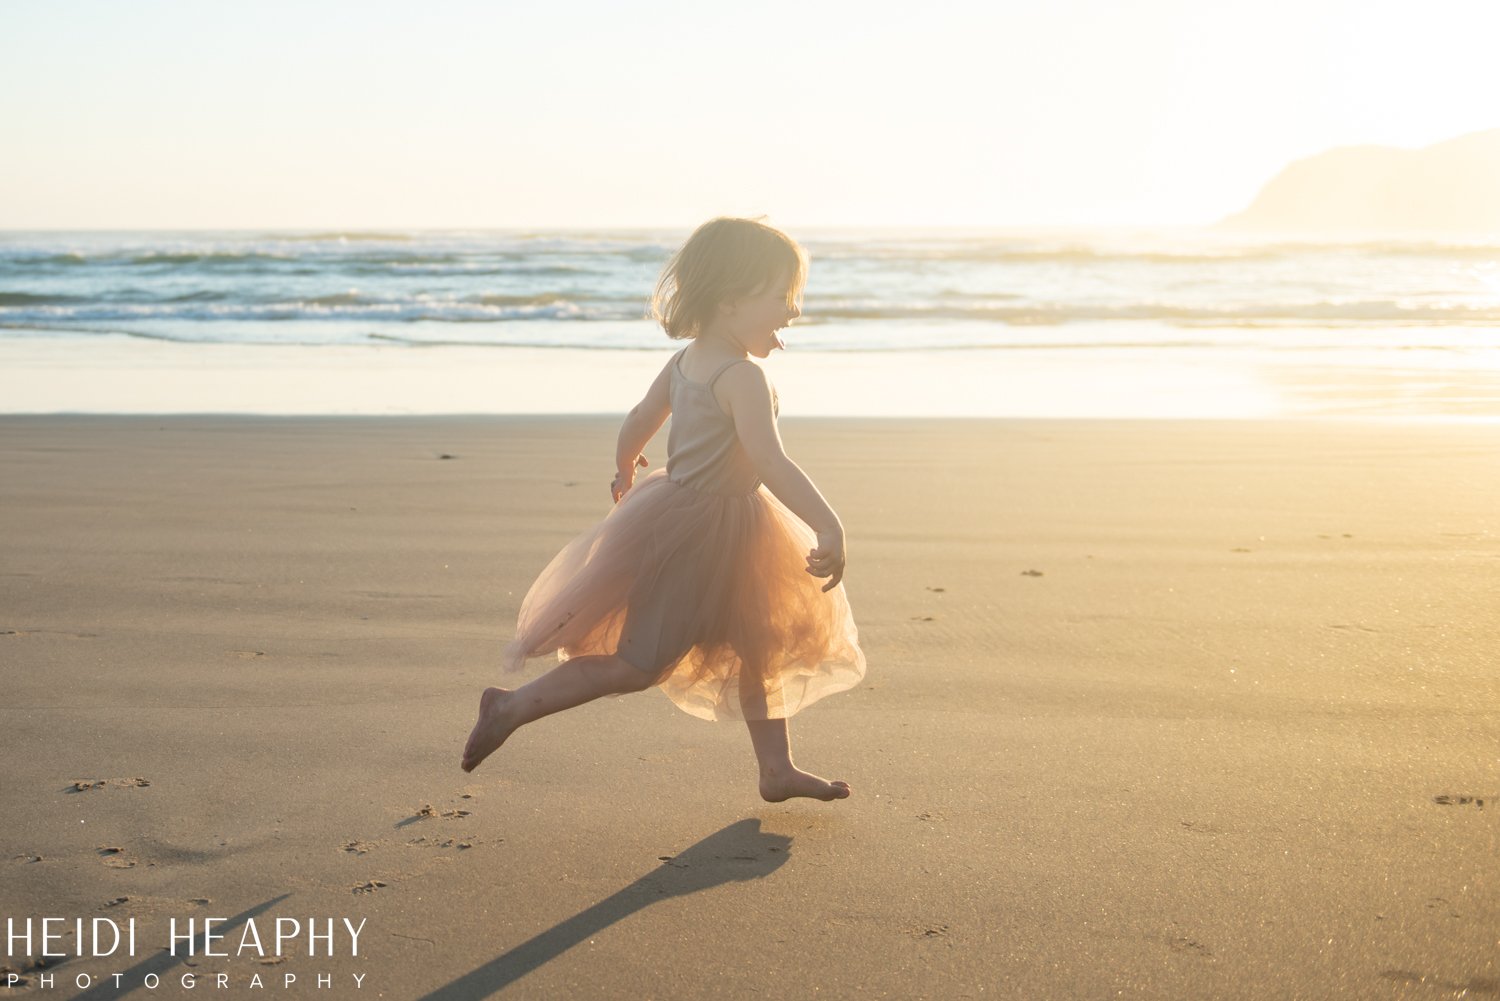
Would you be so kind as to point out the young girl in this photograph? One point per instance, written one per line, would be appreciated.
(700, 580)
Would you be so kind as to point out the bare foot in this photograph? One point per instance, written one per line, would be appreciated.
(777, 786)
(491, 729)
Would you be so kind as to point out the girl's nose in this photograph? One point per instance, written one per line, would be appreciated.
(795, 311)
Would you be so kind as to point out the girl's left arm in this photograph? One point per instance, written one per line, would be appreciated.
(641, 425)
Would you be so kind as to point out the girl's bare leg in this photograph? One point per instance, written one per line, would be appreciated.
(779, 778)
(569, 684)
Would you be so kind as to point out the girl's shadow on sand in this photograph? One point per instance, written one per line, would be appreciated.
(739, 852)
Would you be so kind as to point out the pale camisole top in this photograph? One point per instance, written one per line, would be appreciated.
(703, 451)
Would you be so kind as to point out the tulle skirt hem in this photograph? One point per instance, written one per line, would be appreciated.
(708, 593)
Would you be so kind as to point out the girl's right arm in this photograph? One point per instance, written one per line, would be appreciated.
(747, 394)
(641, 425)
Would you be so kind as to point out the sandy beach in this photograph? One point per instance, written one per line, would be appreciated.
(1155, 709)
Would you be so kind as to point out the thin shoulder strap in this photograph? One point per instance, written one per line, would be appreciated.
(731, 362)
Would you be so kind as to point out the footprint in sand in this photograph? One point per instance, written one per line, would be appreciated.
(358, 847)
(142, 906)
(369, 887)
(1450, 799)
(115, 857)
(934, 930)
(1190, 945)
(937, 590)
(923, 618)
(84, 785)
(459, 843)
(1441, 904)
(424, 812)
(1201, 827)
(428, 812)
(247, 654)
(1031, 573)
(1241, 549)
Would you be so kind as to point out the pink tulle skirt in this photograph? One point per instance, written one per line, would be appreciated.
(707, 593)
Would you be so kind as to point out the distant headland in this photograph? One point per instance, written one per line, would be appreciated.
(1451, 187)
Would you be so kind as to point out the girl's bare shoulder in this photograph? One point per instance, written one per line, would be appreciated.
(746, 388)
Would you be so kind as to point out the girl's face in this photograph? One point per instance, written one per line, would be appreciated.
(755, 321)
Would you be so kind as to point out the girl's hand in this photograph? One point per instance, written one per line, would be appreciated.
(828, 559)
(625, 478)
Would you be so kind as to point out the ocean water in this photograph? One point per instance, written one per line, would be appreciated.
(1154, 297)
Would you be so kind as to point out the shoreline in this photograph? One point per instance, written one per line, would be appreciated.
(131, 375)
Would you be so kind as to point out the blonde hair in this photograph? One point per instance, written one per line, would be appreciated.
(725, 259)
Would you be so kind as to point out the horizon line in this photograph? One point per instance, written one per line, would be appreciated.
(614, 228)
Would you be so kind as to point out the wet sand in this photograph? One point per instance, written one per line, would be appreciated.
(1154, 709)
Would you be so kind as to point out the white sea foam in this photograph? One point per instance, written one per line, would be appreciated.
(912, 291)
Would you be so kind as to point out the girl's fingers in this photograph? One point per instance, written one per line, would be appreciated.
(836, 571)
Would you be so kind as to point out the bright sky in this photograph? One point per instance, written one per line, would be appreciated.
(483, 113)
